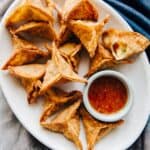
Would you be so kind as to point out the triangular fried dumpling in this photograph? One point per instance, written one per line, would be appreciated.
(124, 44)
(70, 49)
(88, 32)
(30, 76)
(56, 99)
(65, 35)
(73, 130)
(79, 10)
(70, 52)
(30, 11)
(19, 43)
(44, 5)
(37, 29)
(51, 76)
(102, 59)
(23, 56)
(58, 69)
(67, 122)
(94, 129)
(64, 68)
(24, 52)
(31, 71)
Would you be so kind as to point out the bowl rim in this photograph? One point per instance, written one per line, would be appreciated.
(114, 116)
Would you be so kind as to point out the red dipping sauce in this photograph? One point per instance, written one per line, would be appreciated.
(107, 95)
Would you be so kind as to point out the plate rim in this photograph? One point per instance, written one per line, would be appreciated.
(144, 61)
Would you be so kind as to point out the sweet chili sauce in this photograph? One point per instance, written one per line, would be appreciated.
(107, 95)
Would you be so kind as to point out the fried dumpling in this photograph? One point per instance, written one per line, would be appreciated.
(58, 69)
(56, 99)
(71, 52)
(36, 29)
(30, 76)
(96, 130)
(23, 56)
(70, 49)
(65, 68)
(88, 32)
(102, 59)
(19, 43)
(24, 52)
(124, 44)
(79, 10)
(65, 35)
(30, 11)
(67, 122)
(51, 76)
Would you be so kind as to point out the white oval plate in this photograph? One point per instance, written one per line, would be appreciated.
(120, 138)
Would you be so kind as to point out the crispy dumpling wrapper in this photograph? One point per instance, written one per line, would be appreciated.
(67, 122)
(44, 5)
(23, 56)
(65, 115)
(30, 76)
(65, 35)
(24, 52)
(29, 11)
(51, 77)
(64, 68)
(70, 49)
(32, 88)
(19, 43)
(71, 52)
(31, 71)
(58, 69)
(79, 10)
(96, 130)
(89, 33)
(124, 44)
(37, 29)
(101, 58)
(56, 99)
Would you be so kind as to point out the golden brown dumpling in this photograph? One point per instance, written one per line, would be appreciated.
(30, 76)
(30, 11)
(58, 69)
(88, 32)
(67, 122)
(124, 44)
(56, 99)
(79, 10)
(36, 29)
(94, 129)
(24, 52)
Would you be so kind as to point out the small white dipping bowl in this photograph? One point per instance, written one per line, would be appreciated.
(116, 115)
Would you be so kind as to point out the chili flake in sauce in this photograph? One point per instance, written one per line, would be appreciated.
(107, 95)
